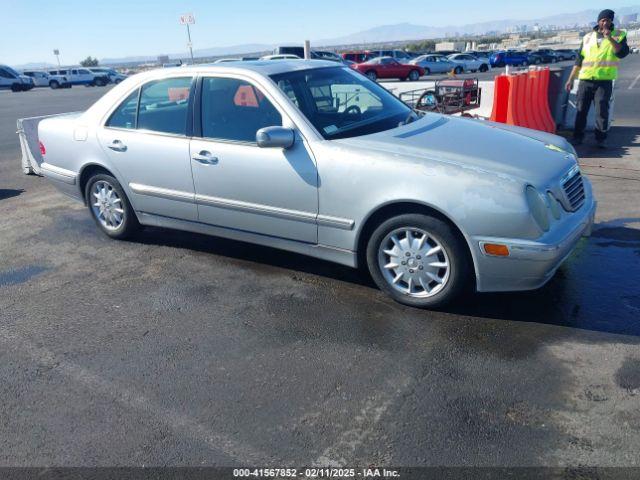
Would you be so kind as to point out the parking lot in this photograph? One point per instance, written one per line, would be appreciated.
(180, 349)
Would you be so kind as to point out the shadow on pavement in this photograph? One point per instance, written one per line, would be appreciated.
(597, 288)
(620, 141)
(9, 193)
(250, 252)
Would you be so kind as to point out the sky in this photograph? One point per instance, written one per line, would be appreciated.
(31, 29)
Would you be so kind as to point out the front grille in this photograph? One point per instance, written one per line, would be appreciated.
(574, 190)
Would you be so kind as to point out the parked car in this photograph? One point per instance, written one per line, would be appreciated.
(357, 56)
(510, 57)
(566, 54)
(81, 76)
(12, 80)
(387, 67)
(428, 215)
(466, 62)
(545, 55)
(434, 64)
(281, 57)
(113, 75)
(399, 55)
(44, 79)
(314, 54)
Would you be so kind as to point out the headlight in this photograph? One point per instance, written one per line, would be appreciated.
(538, 207)
(554, 206)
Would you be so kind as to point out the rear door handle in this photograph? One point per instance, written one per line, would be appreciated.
(205, 158)
(118, 146)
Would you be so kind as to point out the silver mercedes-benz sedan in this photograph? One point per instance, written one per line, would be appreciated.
(314, 158)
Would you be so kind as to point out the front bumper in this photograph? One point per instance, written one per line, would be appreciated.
(531, 263)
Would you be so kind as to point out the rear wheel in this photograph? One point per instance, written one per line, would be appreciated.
(110, 207)
(54, 84)
(100, 82)
(414, 75)
(458, 70)
(372, 75)
(418, 260)
(16, 88)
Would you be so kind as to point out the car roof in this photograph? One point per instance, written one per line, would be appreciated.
(263, 67)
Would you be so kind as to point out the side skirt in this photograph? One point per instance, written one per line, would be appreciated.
(324, 252)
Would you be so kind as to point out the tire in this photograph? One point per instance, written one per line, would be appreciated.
(458, 70)
(54, 84)
(414, 75)
(427, 71)
(101, 184)
(16, 88)
(484, 67)
(372, 75)
(117, 81)
(100, 82)
(436, 278)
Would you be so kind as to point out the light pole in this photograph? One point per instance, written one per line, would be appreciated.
(188, 19)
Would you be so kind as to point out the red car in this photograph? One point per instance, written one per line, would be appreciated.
(387, 67)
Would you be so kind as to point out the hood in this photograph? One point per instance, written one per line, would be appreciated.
(521, 153)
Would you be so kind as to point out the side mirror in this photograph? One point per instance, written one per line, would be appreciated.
(275, 137)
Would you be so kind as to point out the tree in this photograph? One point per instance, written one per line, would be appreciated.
(89, 62)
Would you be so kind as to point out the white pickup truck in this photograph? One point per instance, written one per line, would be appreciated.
(82, 76)
(45, 79)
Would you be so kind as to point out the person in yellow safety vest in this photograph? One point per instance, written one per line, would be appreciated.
(597, 67)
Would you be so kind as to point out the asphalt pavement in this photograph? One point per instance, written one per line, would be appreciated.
(181, 349)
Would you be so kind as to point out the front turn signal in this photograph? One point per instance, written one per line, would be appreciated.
(496, 249)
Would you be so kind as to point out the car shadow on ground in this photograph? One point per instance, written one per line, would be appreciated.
(597, 288)
(619, 143)
(9, 193)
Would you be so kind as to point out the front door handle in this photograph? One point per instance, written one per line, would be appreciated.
(205, 158)
(118, 146)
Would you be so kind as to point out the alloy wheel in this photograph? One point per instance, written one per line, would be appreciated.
(414, 262)
(107, 205)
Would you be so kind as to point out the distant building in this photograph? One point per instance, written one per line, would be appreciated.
(444, 46)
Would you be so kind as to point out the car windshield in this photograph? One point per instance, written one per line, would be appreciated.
(341, 103)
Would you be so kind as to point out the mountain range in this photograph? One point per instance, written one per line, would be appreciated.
(385, 33)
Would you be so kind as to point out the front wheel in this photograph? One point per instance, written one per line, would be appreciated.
(484, 68)
(458, 70)
(110, 207)
(427, 71)
(54, 84)
(414, 75)
(418, 260)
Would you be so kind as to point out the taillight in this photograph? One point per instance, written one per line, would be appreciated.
(43, 150)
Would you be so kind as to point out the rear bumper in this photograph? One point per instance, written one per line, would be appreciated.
(531, 264)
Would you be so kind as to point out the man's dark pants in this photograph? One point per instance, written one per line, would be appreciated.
(598, 91)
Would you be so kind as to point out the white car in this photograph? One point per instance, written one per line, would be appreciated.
(283, 56)
(45, 79)
(469, 62)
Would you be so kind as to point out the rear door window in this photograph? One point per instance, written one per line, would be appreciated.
(125, 114)
(164, 105)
